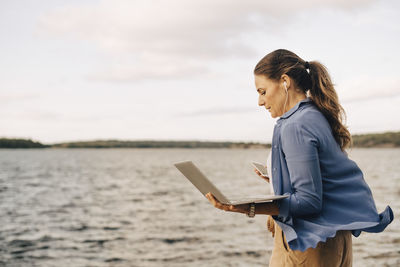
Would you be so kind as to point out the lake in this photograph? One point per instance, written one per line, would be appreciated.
(131, 207)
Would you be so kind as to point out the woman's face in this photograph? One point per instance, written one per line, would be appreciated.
(271, 95)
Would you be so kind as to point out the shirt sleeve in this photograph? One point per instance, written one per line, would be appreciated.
(300, 148)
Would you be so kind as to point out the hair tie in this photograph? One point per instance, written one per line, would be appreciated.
(307, 65)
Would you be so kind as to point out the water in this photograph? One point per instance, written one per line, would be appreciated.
(131, 207)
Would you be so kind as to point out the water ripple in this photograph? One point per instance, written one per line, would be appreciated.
(131, 207)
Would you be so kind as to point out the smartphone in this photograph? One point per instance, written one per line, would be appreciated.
(261, 168)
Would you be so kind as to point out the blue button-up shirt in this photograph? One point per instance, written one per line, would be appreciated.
(326, 190)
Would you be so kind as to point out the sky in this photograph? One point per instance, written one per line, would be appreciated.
(183, 69)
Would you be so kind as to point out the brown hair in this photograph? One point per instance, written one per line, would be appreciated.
(316, 81)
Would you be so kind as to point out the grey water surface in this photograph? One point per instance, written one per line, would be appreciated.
(131, 207)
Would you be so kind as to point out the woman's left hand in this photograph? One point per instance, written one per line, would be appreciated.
(242, 208)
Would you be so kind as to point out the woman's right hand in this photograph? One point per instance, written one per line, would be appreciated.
(262, 176)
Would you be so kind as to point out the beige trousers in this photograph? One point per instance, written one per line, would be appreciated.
(335, 252)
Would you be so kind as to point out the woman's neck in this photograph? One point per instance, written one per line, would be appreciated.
(293, 99)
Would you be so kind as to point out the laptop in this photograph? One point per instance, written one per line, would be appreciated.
(200, 181)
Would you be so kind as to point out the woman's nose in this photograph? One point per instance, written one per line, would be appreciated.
(260, 101)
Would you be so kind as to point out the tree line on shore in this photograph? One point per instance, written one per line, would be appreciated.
(386, 139)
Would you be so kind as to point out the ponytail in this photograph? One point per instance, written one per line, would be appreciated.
(314, 78)
(324, 95)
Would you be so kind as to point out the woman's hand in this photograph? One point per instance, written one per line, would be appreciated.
(262, 176)
(268, 208)
(243, 208)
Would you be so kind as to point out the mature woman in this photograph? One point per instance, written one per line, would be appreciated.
(328, 199)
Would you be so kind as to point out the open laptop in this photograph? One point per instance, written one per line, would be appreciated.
(200, 181)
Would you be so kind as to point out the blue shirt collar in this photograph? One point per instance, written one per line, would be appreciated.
(288, 113)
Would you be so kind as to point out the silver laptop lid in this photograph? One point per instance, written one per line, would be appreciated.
(199, 180)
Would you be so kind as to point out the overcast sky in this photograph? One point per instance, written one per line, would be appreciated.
(182, 69)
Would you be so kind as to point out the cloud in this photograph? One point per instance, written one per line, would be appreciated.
(41, 115)
(218, 111)
(15, 97)
(150, 71)
(174, 35)
(366, 88)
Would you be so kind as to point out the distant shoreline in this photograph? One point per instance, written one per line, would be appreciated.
(27, 143)
(375, 140)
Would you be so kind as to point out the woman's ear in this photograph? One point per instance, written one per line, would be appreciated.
(285, 81)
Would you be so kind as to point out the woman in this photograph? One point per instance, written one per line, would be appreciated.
(328, 199)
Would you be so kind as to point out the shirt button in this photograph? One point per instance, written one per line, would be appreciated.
(274, 169)
(275, 146)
